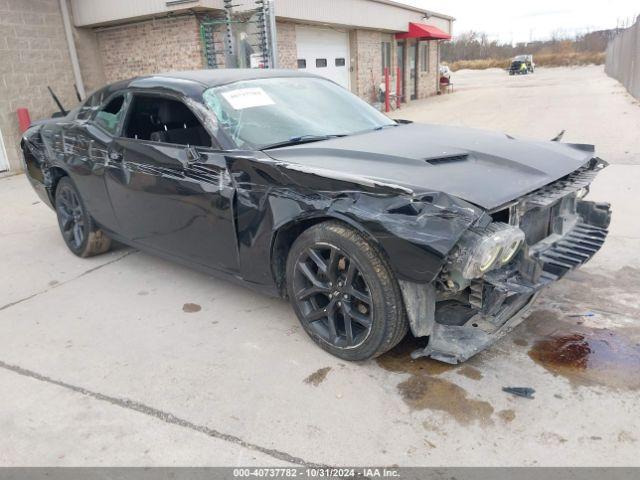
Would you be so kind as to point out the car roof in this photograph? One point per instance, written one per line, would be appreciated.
(193, 82)
(223, 76)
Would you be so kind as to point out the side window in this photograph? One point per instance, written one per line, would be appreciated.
(160, 119)
(386, 56)
(90, 105)
(424, 56)
(109, 117)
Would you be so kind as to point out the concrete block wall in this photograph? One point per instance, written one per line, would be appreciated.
(33, 54)
(152, 46)
(88, 51)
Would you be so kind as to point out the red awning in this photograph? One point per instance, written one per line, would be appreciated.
(422, 30)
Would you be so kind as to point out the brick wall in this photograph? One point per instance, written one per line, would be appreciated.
(366, 49)
(287, 50)
(427, 85)
(151, 46)
(33, 54)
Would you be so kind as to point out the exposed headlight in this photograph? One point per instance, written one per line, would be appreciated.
(480, 252)
(487, 255)
(512, 239)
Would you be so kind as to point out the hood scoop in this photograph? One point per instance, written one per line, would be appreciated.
(447, 159)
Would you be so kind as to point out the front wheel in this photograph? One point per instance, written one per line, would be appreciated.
(344, 292)
(79, 232)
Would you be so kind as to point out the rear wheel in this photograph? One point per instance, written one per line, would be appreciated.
(78, 230)
(344, 292)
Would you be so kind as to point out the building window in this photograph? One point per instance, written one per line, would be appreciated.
(340, 62)
(424, 56)
(386, 56)
(302, 63)
(321, 62)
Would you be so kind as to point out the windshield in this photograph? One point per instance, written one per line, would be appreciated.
(264, 112)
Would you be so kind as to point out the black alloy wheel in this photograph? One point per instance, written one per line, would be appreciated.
(82, 236)
(333, 296)
(344, 292)
(70, 216)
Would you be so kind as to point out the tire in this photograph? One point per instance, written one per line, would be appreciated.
(344, 292)
(79, 231)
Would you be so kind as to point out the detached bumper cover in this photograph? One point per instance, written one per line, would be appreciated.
(508, 293)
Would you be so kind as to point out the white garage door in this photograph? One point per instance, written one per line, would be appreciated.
(325, 52)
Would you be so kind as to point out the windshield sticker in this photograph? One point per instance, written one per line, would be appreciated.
(247, 98)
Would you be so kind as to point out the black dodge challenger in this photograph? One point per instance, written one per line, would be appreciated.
(294, 186)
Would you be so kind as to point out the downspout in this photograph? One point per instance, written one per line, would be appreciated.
(272, 34)
(72, 49)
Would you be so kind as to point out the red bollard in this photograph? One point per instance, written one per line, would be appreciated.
(398, 88)
(387, 107)
(24, 120)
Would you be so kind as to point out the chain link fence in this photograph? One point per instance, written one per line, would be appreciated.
(623, 58)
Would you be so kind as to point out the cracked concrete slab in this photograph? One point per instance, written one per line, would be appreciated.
(45, 424)
(222, 358)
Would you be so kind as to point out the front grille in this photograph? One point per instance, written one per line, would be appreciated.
(574, 249)
(576, 180)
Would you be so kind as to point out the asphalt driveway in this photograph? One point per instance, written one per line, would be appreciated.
(126, 359)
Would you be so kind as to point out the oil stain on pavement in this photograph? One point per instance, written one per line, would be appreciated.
(585, 356)
(424, 389)
(507, 415)
(317, 377)
(191, 308)
(469, 372)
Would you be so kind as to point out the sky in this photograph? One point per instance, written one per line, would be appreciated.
(522, 21)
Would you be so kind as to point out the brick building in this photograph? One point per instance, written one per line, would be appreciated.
(348, 41)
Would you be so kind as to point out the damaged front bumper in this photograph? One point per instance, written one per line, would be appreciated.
(499, 300)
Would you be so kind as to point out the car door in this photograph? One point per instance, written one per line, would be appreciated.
(86, 142)
(170, 189)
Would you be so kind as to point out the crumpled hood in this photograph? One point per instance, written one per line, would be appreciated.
(485, 168)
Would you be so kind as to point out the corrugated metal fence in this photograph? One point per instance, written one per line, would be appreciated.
(623, 58)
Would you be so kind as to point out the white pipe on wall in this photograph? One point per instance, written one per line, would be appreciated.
(73, 54)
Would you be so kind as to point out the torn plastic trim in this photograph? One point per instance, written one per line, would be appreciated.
(514, 287)
(455, 344)
(420, 306)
